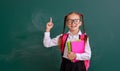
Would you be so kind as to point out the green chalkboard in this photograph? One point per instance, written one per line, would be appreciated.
(22, 26)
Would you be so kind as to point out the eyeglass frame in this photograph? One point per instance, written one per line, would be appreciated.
(75, 21)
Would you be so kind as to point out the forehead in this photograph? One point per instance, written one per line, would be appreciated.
(73, 16)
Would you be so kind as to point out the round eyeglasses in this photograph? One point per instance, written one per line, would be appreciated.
(75, 21)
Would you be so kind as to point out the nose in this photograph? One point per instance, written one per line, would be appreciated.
(72, 22)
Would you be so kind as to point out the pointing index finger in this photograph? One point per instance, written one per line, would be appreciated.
(50, 19)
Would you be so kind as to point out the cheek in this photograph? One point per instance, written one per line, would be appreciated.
(79, 25)
(67, 25)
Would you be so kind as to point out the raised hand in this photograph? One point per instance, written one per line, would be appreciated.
(49, 25)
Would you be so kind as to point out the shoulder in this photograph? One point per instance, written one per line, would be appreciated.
(64, 35)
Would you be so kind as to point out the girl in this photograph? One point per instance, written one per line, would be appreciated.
(73, 21)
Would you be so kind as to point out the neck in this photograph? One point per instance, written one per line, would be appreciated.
(74, 31)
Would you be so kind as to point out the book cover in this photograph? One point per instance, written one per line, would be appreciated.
(76, 47)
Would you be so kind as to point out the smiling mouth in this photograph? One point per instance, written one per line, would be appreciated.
(73, 26)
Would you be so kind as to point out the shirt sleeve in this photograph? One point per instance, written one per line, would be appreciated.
(87, 54)
(48, 42)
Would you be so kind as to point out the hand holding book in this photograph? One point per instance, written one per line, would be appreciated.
(71, 56)
(75, 47)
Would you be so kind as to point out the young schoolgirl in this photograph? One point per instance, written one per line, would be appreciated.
(73, 21)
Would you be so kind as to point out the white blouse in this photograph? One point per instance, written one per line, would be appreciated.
(48, 42)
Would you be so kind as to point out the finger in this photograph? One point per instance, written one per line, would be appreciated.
(69, 52)
(50, 19)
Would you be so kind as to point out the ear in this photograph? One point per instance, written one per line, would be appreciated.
(80, 23)
(66, 24)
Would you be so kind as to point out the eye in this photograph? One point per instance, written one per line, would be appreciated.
(69, 20)
(76, 20)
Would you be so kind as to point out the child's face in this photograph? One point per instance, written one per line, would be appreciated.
(73, 22)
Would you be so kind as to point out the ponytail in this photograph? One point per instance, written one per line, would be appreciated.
(83, 26)
(64, 24)
(81, 15)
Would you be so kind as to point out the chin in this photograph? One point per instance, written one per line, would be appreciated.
(74, 29)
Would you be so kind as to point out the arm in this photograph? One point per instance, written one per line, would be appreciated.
(47, 41)
(87, 54)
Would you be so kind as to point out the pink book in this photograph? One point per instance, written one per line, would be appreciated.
(77, 47)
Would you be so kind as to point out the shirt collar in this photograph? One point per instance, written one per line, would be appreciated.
(79, 33)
